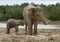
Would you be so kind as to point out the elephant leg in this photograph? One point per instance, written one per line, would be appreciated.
(35, 28)
(8, 30)
(30, 29)
(16, 29)
(26, 29)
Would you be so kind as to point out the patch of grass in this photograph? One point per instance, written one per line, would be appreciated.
(31, 39)
(28, 38)
(54, 39)
(52, 22)
(6, 40)
(11, 39)
(55, 22)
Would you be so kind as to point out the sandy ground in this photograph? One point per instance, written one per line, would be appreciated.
(42, 36)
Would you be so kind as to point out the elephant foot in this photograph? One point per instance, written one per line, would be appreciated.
(17, 33)
(29, 33)
(25, 33)
(34, 33)
(7, 33)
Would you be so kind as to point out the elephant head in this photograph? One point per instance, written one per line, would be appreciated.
(38, 14)
(21, 22)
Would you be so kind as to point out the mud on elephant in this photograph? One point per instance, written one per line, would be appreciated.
(14, 23)
(32, 14)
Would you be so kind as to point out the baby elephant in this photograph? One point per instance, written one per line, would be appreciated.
(14, 23)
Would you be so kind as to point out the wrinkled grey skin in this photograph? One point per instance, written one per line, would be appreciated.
(14, 23)
(33, 14)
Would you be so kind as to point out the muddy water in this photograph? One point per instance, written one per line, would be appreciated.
(40, 26)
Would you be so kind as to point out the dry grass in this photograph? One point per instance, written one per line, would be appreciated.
(44, 35)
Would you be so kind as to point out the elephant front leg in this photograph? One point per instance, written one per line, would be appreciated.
(8, 30)
(16, 29)
(35, 28)
(30, 29)
(26, 29)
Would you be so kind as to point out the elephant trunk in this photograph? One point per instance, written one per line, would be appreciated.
(43, 19)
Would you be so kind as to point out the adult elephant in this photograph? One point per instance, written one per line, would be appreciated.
(32, 14)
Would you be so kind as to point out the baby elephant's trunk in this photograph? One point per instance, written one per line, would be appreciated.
(21, 22)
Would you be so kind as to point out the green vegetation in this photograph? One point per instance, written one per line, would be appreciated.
(52, 12)
(55, 22)
(52, 22)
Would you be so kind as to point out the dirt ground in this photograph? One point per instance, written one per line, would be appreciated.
(44, 35)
